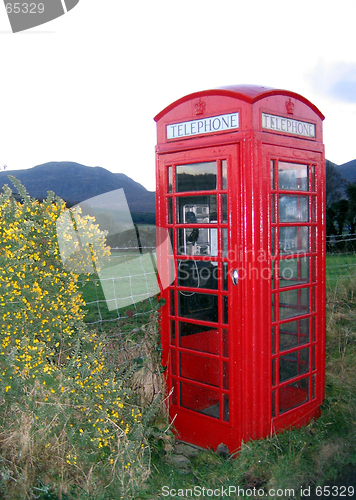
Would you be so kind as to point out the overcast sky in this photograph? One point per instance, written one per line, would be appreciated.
(86, 86)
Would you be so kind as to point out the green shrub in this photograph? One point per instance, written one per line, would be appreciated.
(71, 414)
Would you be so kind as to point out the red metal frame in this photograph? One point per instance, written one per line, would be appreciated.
(232, 379)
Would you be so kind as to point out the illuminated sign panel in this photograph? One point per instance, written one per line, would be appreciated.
(203, 126)
(288, 125)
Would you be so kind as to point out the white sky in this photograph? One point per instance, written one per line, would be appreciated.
(86, 86)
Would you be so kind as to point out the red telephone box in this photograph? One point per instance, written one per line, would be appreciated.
(240, 189)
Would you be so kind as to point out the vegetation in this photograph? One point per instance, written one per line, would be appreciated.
(74, 422)
(82, 413)
(314, 455)
(340, 207)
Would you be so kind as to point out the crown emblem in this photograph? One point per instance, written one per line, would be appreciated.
(200, 107)
(290, 106)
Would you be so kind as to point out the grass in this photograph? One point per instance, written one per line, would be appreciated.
(340, 265)
(126, 288)
(299, 458)
(314, 455)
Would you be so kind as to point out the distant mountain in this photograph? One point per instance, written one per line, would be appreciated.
(75, 183)
(348, 170)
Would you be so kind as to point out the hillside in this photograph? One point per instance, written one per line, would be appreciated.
(348, 170)
(75, 183)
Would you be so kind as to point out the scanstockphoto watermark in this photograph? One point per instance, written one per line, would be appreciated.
(144, 274)
(237, 491)
(192, 270)
(238, 253)
(226, 492)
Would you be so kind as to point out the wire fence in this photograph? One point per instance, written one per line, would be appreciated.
(125, 293)
(128, 294)
(340, 258)
(343, 243)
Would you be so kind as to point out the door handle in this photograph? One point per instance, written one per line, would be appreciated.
(235, 277)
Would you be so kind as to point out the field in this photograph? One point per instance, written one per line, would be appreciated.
(132, 279)
(128, 283)
(320, 454)
(294, 464)
(340, 266)
(312, 459)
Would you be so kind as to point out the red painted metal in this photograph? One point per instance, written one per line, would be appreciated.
(243, 358)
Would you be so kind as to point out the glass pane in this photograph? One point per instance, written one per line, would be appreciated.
(313, 329)
(293, 395)
(293, 303)
(274, 404)
(173, 332)
(197, 241)
(272, 174)
(199, 368)
(274, 339)
(293, 271)
(313, 299)
(170, 211)
(200, 399)
(196, 177)
(225, 375)
(313, 208)
(198, 274)
(293, 208)
(170, 269)
(274, 306)
(225, 339)
(273, 241)
(312, 174)
(273, 278)
(196, 209)
(201, 306)
(293, 239)
(170, 247)
(226, 310)
(273, 207)
(313, 386)
(313, 357)
(225, 276)
(170, 180)
(293, 176)
(293, 364)
(274, 372)
(226, 407)
(313, 269)
(314, 242)
(173, 362)
(224, 208)
(174, 392)
(172, 302)
(293, 334)
(198, 338)
(223, 174)
(224, 242)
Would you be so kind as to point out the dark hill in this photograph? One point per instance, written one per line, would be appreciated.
(348, 170)
(75, 183)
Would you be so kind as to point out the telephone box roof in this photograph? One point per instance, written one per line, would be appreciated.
(247, 93)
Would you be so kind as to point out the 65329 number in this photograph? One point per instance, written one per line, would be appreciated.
(335, 491)
(25, 8)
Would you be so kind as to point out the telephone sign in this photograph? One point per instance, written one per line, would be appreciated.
(287, 125)
(203, 126)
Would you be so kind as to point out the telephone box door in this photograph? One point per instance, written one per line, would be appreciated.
(298, 279)
(202, 313)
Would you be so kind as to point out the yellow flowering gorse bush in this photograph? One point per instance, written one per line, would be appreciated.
(51, 364)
